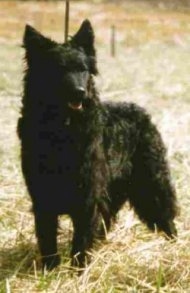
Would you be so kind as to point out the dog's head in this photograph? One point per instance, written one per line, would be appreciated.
(62, 71)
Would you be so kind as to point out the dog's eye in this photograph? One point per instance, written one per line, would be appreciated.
(82, 67)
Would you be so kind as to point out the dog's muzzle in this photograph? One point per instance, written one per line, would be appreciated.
(78, 96)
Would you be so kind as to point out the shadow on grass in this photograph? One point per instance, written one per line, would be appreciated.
(19, 259)
(24, 260)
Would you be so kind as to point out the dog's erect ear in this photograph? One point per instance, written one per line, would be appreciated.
(34, 42)
(85, 38)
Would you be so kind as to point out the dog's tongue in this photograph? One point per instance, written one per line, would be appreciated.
(75, 106)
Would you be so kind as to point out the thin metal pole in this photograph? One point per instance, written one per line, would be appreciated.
(113, 33)
(67, 9)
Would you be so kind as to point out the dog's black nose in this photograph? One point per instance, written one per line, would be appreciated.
(80, 92)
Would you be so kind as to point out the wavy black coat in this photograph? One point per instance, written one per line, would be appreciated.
(82, 157)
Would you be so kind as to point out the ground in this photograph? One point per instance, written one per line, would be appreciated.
(151, 68)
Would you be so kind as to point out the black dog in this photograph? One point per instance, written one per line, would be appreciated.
(84, 158)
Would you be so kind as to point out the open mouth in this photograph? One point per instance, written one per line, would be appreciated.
(75, 106)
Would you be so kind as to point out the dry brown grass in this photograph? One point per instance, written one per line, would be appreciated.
(151, 68)
(136, 22)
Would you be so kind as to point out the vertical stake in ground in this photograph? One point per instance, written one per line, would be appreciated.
(113, 33)
(67, 9)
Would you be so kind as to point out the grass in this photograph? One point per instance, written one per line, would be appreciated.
(152, 69)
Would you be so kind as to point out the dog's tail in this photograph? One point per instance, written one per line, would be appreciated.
(152, 193)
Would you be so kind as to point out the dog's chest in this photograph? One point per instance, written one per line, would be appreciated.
(60, 150)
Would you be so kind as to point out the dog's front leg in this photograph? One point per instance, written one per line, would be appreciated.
(46, 232)
(86, 225)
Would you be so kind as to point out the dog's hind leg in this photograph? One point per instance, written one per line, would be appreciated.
(46, 232)
(151, 192)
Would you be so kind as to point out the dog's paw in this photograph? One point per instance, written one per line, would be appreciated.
(50, 262)
(80, 260)
(169, 229)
